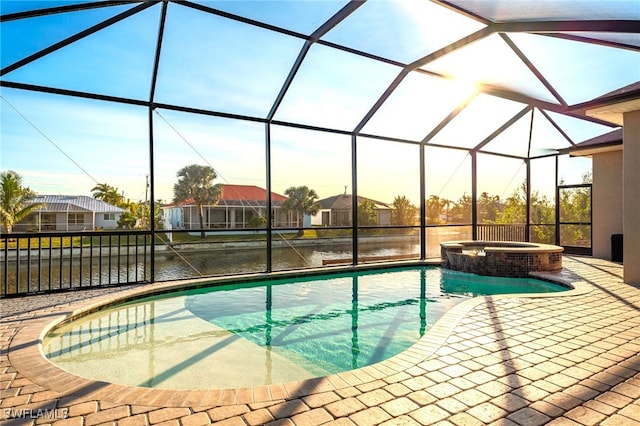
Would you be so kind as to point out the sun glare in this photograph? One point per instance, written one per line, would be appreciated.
(464, 86)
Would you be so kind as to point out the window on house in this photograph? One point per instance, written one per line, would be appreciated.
(48, 221)
(109, 216)
(76, 219)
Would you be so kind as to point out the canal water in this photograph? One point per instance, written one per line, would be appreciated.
(41, 274)
(35, 274)
(175, 265)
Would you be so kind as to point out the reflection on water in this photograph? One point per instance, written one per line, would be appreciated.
(42, 274)
(194, 264)
(478, 285)
(267, 332)
(237, 336)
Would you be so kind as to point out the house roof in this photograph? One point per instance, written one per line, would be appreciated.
(343, 201)
(611, 106)
(611, 141)
(631, 90)
(241, 195)
(246, 193)
(73, 203)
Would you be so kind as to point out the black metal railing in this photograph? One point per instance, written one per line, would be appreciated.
(54, 261)
(502, 232)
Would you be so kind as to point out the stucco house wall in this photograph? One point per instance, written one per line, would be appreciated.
(107, 220)
(607, 201)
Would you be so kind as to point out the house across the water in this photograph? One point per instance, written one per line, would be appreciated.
(237, 205)
(69, 213)
(337, 211)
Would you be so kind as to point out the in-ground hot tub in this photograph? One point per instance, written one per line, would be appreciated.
(500, 258)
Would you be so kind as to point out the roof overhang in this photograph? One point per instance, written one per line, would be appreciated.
(614, 113)
(612, 106)
(587, 152)
(608, 142)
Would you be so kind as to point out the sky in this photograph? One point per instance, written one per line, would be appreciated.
(66, 145)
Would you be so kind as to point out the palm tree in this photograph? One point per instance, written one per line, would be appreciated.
(434, 206)
(14, 200)
(488, 207)
(196, 182)
(301, 201)
(108, 194)
(461, 211)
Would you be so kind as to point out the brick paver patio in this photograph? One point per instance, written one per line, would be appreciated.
(562, 360)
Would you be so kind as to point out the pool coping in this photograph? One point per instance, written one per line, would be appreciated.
(26, 354)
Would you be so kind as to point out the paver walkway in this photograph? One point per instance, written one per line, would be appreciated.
(508, 361)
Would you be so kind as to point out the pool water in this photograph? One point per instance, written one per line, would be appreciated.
(267, 332)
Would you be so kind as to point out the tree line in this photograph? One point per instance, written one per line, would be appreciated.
(196, 183)
(136, 215)
(574, 205)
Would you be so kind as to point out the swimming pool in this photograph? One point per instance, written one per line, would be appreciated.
(241, 335)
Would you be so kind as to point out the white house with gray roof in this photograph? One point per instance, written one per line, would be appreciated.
(70, 213)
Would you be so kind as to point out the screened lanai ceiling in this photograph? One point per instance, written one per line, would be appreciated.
(414, 71)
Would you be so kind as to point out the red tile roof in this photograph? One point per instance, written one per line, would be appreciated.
(242, 193)
(248, 193)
